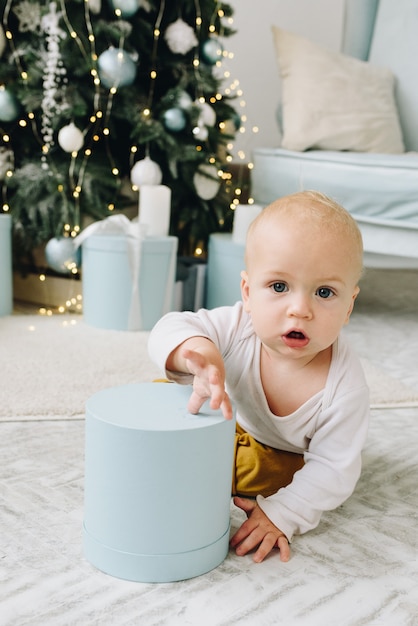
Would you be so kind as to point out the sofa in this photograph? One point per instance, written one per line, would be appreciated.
(349, 126)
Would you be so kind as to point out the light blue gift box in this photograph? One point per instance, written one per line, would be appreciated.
(225, 264)
(128, 283)
(157, 484)
(6, 285)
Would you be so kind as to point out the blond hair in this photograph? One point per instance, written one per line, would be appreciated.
(322, 212)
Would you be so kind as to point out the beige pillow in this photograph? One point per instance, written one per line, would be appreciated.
(334, 102)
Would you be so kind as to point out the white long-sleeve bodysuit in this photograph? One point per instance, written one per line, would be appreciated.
(329, 429)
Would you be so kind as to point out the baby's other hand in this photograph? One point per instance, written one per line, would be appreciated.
(259, 531)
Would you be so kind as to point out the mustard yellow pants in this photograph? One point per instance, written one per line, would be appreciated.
(260, 469)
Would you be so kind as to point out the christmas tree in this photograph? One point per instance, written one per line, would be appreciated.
(100, 96)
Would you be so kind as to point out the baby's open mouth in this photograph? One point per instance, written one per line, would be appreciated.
(295, 334)
(295, 339)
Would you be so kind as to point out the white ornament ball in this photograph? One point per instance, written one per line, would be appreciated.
(146, 172)
(184, 101)
(61, 254)
(206, 181)
(207, 115)
(201, 133)
(70, 138)
(116, 68)
(180, 37)
(95, 6)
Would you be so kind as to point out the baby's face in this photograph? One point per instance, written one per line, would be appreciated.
(300, 285)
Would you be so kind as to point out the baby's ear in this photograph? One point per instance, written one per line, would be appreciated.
(245, 290)
(350, 310)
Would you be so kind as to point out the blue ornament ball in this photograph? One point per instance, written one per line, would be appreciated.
(236, 120)
(61, 254)
(174, 119)
(9, 106)
(116, 68)
(212, 51)
(127, 8)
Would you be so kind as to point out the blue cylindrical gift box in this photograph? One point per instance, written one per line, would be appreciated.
(225, 264)
(157, 484)
(6, 285)
(111, 289)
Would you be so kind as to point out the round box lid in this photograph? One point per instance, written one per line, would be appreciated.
(151, 407)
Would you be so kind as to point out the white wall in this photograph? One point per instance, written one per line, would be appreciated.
(254, 63)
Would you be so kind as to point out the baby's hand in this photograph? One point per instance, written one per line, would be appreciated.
(259, 531)
(208, 382)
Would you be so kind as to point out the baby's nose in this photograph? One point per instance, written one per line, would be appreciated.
(300, 306)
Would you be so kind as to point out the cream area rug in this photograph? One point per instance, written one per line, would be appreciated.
(50, 366)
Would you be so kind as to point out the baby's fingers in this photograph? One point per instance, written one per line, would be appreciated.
(219, 399)
(195, 402)
(226, 408)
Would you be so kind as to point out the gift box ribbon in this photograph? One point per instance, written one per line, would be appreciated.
(135, 234)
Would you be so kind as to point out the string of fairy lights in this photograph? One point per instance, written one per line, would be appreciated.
(98, 128)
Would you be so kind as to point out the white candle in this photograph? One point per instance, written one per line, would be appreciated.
(244, 214)
(155, 209)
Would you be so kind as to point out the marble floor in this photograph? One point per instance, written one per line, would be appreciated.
(359, 567)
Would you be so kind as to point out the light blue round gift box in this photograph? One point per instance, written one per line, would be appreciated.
(6, 285)
(110, 288)
(225, 264)
(157, 484)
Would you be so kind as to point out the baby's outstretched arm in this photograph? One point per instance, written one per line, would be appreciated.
(199, 356)
(258, 532)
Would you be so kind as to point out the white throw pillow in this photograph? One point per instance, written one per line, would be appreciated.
(332, 101)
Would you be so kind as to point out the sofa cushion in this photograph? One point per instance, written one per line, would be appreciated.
(379, 190)
(334, 102)
(378, 186)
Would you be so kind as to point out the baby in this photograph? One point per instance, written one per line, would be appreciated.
(302, 402)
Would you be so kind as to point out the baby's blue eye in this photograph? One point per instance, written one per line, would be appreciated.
(325, 292)
(279, 287)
